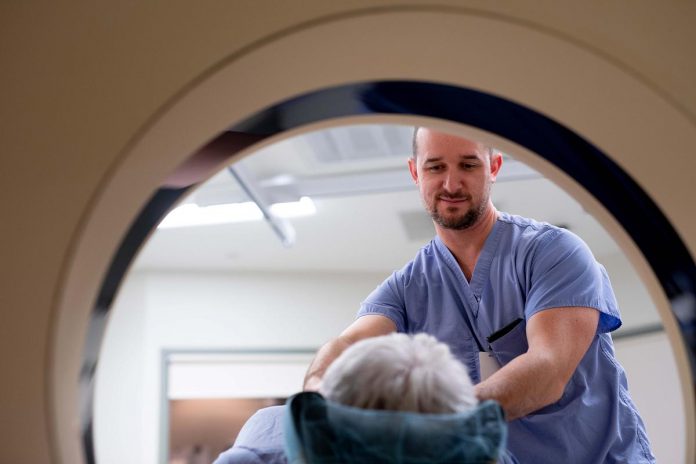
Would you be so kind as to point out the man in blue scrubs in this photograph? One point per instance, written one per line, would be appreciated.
(527, 294)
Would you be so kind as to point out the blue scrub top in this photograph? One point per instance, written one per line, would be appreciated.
(260, 441)
(525, 267)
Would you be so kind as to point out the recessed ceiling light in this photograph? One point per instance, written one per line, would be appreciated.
(191, 215)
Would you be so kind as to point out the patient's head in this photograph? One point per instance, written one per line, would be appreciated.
(402, 373)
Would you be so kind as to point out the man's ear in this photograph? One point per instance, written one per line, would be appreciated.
(414, 170)
(496, 164)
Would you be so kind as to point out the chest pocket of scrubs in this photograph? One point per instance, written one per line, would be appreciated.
(510, 345)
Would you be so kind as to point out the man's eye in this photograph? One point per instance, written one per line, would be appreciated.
(434, 168)
(470, 166)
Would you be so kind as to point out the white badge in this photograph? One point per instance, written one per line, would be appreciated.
(488, 365)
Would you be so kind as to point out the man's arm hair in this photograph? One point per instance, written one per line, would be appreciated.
(371, 325)
(558, 339)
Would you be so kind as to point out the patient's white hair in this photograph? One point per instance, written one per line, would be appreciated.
(402, 373)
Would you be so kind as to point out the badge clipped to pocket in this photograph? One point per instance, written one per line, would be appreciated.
(506, 343)
(488, 365)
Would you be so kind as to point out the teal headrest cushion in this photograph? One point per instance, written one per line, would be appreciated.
(318, 431)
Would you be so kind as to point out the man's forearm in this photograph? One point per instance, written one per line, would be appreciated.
(526, 384)
(325, 356)
(370, 325)
(558, 339)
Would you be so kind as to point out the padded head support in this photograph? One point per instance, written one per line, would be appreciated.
(318, 431)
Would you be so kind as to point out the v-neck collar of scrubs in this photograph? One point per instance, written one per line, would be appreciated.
(473, 289)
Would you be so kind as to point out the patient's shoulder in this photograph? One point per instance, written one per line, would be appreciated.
(259, 441)
(264, 427)
(239, 455)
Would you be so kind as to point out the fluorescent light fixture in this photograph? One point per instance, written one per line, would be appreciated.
(190, 214)
(303, 207)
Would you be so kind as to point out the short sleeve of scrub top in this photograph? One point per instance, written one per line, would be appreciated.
(562, 272)
(388, 300)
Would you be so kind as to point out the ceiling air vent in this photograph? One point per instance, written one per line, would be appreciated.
(360, 143)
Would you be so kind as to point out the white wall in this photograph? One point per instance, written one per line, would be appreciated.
(228, 311)
(654, 387)
(637, 309)
(119, 401)
(156, 311)
(649, 364)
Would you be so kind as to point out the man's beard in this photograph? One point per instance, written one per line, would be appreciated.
(459, 222)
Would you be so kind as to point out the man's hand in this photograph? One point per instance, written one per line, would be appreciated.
(371, 325)
(558, 338)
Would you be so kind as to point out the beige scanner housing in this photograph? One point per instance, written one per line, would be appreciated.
(101, 101)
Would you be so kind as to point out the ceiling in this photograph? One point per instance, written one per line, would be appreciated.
(368, 217)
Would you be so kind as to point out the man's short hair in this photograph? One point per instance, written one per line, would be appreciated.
(402, 373)
(414, 144)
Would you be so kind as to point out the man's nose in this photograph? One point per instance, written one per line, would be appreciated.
(452, 182)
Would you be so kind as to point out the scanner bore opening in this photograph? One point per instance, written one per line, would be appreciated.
(601, 177)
